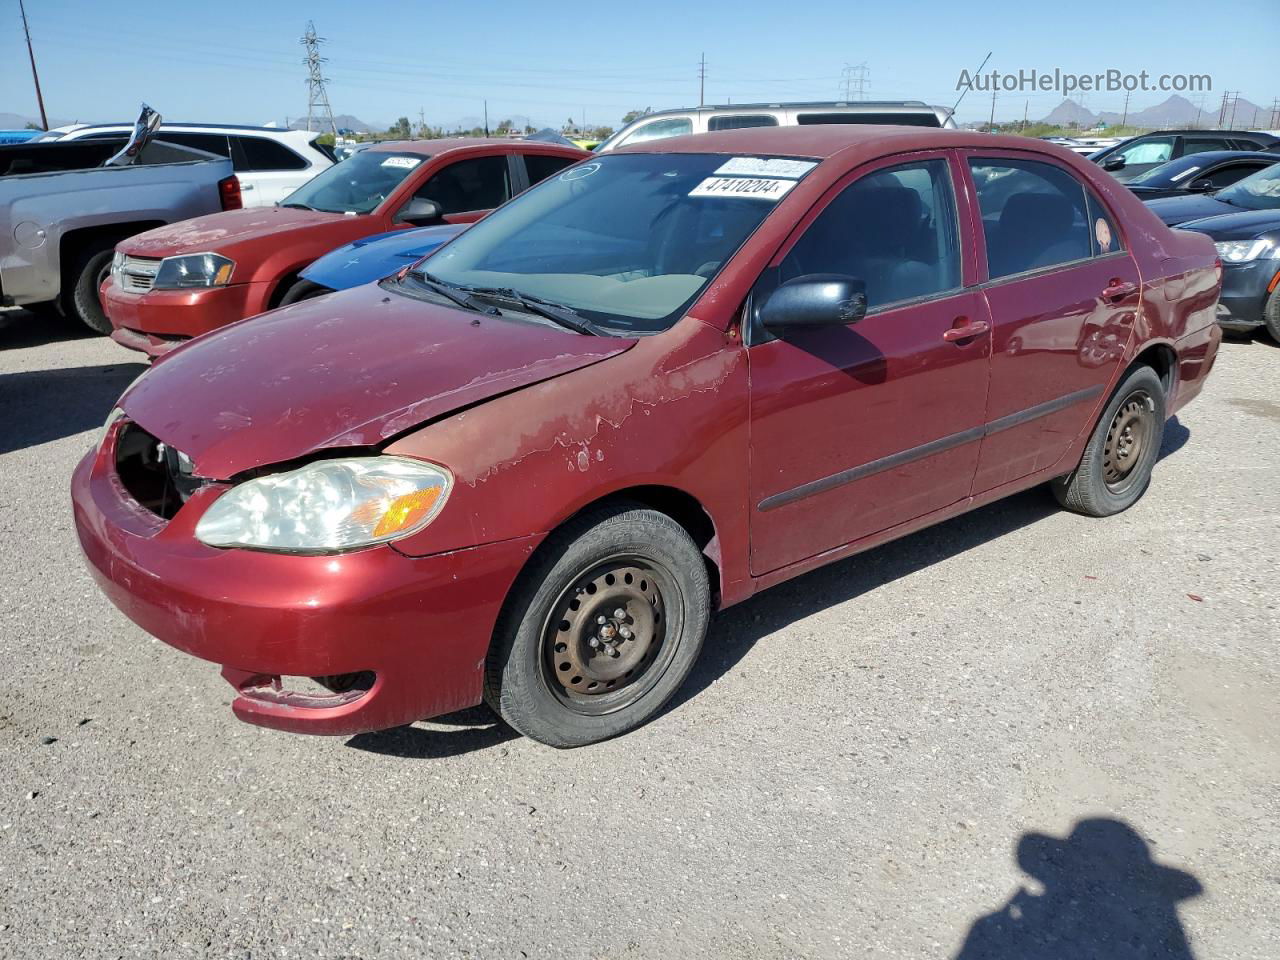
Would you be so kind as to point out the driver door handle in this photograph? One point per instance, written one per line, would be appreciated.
(968, 331)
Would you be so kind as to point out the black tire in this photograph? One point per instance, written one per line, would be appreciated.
(303, 290)
(87, 273)
(569, 698)
(1116, 467)
(1271, 315)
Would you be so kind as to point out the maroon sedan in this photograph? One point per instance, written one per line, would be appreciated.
(529, 468)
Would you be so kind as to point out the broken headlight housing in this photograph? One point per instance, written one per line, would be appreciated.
(193, 270)
(328, 506)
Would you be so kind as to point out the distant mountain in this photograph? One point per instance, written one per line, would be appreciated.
(16, 121)
(344, 121)
(1175, 112)
(1067, 113)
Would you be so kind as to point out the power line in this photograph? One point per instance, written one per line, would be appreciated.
(317, 96)
(855, 81)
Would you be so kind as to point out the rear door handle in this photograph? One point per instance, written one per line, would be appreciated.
(966, 332)
(1119, 290)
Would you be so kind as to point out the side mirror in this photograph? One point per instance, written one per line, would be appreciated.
(1201, 186)
(1113, 163)
(419, 209)
(815, 300)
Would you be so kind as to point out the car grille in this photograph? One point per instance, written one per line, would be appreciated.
(156, 475)
(138, 274)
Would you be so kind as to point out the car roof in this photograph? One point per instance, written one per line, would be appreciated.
(821, 141)
(77, 127)
(436, 147)
(1213, 156)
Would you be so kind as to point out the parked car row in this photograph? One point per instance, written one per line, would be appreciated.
(528, 468)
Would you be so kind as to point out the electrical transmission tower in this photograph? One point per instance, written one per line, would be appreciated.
(318, 109)
(855, 81)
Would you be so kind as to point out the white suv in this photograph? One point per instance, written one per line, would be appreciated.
(270, 163)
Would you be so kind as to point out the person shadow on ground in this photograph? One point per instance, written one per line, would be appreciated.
(1104, 898)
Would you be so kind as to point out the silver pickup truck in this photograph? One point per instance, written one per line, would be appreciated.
(64, 207)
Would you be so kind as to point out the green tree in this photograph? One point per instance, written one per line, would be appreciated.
(401, 129)
(636, 115)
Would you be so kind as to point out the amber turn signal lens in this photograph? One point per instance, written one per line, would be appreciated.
(406, 510)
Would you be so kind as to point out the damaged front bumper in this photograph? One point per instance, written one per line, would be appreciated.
(390, 638)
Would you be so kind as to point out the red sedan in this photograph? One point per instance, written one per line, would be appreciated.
(172, 283)
(531, 467)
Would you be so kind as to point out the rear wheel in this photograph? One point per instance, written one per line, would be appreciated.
(87, 275)
(1116, 467)
(601, 630)
(1271, 315)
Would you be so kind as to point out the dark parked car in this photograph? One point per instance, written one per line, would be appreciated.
(1135, 156)
(1200, 173)
(530, 468)
(1258, 191)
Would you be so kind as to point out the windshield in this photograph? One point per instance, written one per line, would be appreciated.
(356, 184)
(627, 241)
(1171, 172)
(1259, 191)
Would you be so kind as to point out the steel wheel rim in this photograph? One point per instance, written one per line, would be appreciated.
(1129, 440)
(632, 650)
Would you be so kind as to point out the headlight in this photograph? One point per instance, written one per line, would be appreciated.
(1242, 251)
(117, 261)
(193, 270)
(328, 506)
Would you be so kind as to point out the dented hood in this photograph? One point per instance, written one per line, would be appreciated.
(226, 232)
(347, 370)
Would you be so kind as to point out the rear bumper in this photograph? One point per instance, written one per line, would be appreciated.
(169, 316)
(1196, 355)
(420, 625)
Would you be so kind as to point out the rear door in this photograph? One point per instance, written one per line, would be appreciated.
(268, 171)
(1063, 292)
(858, 428)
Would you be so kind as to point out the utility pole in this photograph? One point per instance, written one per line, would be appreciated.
(1125, 115)
(422, 122)
(1275, 112)
(992, 124)
(1026, 108)
(44, 120)
(1222, 111)
(1235, 102)
(855, 81)
(702, 81)
(486, 118)
(317, 96)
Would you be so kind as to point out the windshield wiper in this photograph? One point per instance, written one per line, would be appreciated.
(556, 312)
(296, 206)
(459, 295)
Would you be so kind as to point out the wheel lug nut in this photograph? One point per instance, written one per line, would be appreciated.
(593, 642)
(613, 652)
(619, 614)
(626, 633)
(602, 619)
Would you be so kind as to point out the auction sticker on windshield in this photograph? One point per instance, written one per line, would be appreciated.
(408, 163)
(757, 188)
(761, 167)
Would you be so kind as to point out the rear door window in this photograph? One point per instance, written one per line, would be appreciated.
(539, 166)
(894, 229)
(258, 154)
(1156, 150)
(1228, 174)
(1034, 215)
(741, 121)
(1202, 144)
(479, 183)
(209, 142)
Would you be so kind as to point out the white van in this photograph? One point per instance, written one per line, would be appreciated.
(680, 122)
(270, 162)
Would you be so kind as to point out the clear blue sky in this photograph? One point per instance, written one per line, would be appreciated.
(236, 61)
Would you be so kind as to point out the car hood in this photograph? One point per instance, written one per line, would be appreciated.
(352, 369)
(372, 258)
(222, 232)
(1176, 210)
(1241, 225)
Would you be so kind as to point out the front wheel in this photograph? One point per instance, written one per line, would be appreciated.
(1116, 467)
(601, 630)
(1271, 315)
(303, 290)
(87, 275)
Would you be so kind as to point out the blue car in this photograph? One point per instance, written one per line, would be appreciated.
(369, 259)
(18, 136)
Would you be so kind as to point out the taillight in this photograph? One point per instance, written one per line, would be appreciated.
(229, 192)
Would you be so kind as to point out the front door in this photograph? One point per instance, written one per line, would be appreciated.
(467, 189)
(1063, 294)
(855, 429)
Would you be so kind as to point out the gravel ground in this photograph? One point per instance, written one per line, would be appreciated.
(1019, 730)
